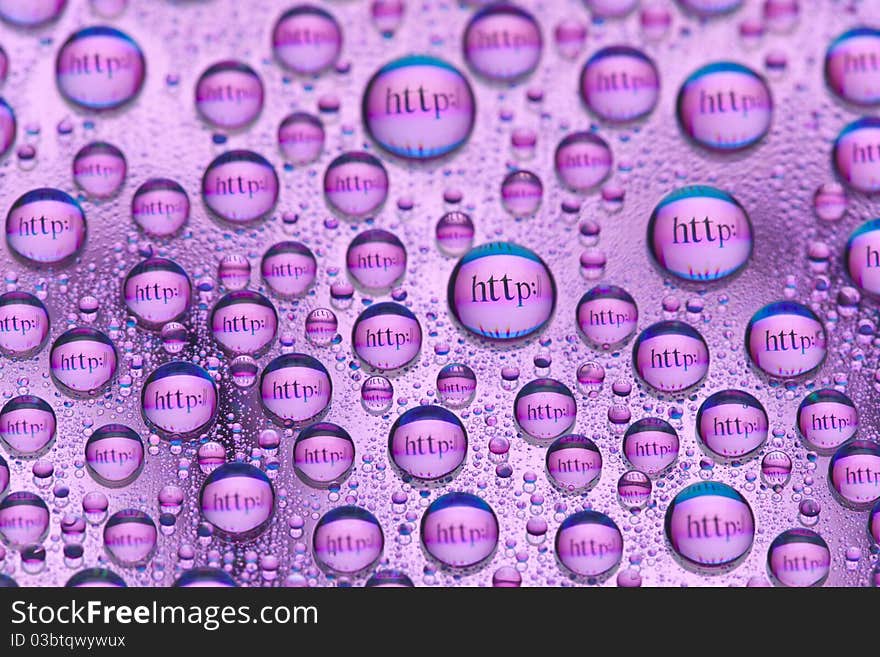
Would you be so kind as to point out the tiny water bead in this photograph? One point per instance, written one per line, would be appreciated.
(854, 474)
(655, 20)
(799, 557)
(82, 361)
(808, 512)
(573, 462)
(855, 155)
(323, 455)
(671, 356)
(42, 469)
(569, 35)
(376, 259)
(74, 531)
(307, 40)
(355, 184)
(593, 263)
(33, 559)
(651, 445)
(387, 16)
(502, 43)
(851, 69)
(455, 233)
(634, 489)
(244, 322)
(818, 255)
(171, 499)
(328, 107)
(238, 500)
(321, 325)
(27, 425)
(826, 419)
(386, 336)
(160, 207)
(583, 161)
(700, 233)
(229, 95)
(724, 106)
(24, 324)
(289, 268)
(785, 339)
(781, 16)
(295, 388)
(88, 306)
(174, 337)
(776, 468)
(99, 169)
(509, 377)
(452, 195)
(620, 84)
(419, 108)
(157, 291)
(523, 142)
(240, 186)
(114, 455)
(427, 442)
(521, 193)
(179, 398)
(456, 385)
(301, 138)
(710, 525)
(732, 424)
(502, 291)
(459, 530)
(751, 32)
(545, 409)
(607, 315)
(830, 201)
(499, 448)
(377, 395)
(244, 370)
(234, 272)
(621, 388)
(589, 544)
(100, 68)
(348, 540)
(266, 371)
(94, 504)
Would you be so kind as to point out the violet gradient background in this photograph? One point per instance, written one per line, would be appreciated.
(161, 135)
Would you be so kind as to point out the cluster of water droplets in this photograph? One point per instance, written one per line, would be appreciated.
(391, 293)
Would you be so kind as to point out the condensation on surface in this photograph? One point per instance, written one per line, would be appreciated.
(162, 135)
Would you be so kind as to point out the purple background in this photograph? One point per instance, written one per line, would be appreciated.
(162, 135)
